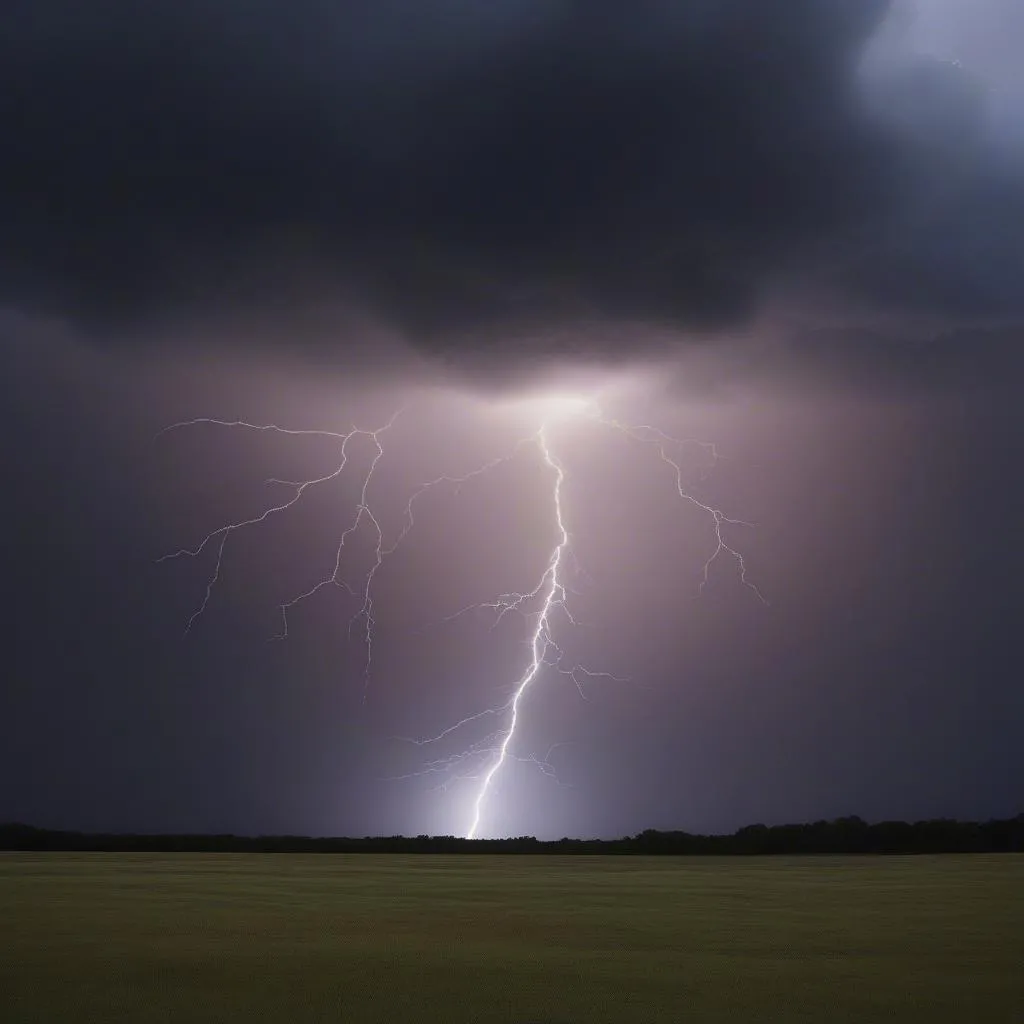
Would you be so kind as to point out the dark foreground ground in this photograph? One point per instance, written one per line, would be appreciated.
(407, 939)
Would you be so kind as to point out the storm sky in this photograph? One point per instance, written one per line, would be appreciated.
(794, 230)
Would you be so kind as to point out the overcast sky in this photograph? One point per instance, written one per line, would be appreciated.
(793, 230)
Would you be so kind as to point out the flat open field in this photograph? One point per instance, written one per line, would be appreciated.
(397, 939)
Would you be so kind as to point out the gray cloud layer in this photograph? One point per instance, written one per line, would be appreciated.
(468, 169)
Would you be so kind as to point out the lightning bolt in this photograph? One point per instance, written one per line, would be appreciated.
(540, 642)
(541, 605)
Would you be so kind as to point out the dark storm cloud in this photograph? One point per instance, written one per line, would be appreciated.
(461, 167)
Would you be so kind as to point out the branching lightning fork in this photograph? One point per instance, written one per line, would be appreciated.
(483, 760)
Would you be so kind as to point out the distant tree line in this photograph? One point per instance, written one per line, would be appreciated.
(850, 835)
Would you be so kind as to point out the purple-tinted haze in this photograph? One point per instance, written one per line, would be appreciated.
(881, 679)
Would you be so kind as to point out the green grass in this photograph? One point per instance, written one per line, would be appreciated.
(400, 940)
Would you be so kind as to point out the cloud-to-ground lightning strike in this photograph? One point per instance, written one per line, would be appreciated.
(539, 605)
(554, 592)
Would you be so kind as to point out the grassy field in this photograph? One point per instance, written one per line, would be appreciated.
(98, 937)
